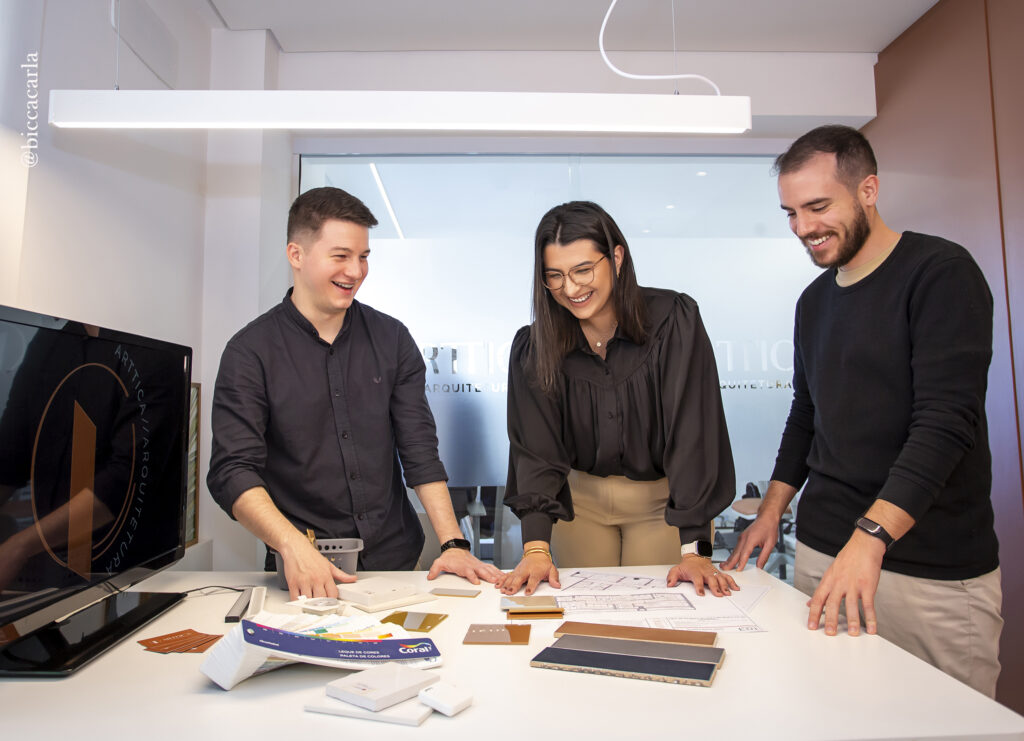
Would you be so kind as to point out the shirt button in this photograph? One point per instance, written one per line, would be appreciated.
(354, 476)
(361, 516)
(611, 415)
(607, 371)
(344, 436)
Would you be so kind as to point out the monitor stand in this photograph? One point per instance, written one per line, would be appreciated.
(64, 646)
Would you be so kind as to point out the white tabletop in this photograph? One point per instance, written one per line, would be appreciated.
(786, 682)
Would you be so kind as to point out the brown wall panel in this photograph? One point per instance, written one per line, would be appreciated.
(1005, 26)
(936, 141)
(1005, 23)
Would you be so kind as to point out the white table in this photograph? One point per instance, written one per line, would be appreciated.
(786, 683)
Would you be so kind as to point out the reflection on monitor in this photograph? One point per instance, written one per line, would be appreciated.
(93, 427)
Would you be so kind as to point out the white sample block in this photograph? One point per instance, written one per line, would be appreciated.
(445, 697)
(408, 713)
(375, 591)
(380, 687)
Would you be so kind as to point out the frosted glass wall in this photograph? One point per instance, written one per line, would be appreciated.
(453, 259)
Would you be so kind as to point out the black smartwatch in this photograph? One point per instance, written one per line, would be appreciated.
(873, 528)
(456, 543)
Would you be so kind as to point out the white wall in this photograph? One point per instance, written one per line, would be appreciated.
(250, 188)
(105, 227)
(790, 92)
(20, 121)
(179, 235)
(112, 222)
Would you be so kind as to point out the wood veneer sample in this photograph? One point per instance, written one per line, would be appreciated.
(659, 635)
(498, 634)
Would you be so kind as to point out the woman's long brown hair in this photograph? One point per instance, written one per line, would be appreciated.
(555, 330)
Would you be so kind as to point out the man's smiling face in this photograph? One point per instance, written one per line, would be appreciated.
(827, 217)
(329, 267)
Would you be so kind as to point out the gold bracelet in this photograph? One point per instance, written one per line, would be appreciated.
(538, 549)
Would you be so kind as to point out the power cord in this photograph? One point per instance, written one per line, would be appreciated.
(630, 75)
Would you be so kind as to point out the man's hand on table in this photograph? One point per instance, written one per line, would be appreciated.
(462, 563)
(852, 577)
(531, 571)
(309, 573)
(763, 532)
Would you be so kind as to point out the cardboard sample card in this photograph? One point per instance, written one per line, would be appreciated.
(454, 592)
(529, 604)
(632, 667)
(182, 641)
(494, 635)
(658, 635)
(200, 648)
(536, 615)
(417, 622)
(531, 608)
(643, 649)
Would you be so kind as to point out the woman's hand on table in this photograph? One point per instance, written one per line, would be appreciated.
(536, 566)
(701, 571)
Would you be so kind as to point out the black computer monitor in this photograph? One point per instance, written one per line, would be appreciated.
(93, 462)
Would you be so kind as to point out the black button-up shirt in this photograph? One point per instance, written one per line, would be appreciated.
(644, 412)
(323, 426)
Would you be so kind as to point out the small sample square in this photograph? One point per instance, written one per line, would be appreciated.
(454, 592)
(497, 634)
(182, 641)
(417, 622)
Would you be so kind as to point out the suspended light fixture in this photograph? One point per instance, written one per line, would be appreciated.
(408, 111)
(391, 111)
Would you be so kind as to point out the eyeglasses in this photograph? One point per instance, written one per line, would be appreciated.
(581, 276)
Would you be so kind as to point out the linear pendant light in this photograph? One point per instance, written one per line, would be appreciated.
(423, 111)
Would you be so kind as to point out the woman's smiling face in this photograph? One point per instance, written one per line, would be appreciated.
(591, 301)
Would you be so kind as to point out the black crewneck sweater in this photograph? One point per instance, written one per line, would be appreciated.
(889, 383)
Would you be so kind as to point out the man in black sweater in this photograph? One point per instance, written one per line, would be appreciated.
(887, 430)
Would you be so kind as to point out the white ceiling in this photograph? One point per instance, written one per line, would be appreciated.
(573, 25)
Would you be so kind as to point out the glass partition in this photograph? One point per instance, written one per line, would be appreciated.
(452, 259)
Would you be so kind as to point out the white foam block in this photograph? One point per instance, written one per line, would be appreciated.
(445, 697)
(408, 713)
(375, 591)
(381, 686)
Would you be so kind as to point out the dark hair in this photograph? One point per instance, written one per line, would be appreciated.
(555, 331)
(311, 209)
(854, 158)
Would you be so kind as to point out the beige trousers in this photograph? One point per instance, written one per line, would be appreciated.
(618, 522)
(953, 625)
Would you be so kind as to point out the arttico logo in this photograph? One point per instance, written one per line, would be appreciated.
(85, 474)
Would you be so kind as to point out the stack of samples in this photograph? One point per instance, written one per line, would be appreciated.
(270, 640)
(531, 608)
(392, 693)
(661, 655)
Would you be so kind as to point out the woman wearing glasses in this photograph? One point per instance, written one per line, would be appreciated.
(615, 417)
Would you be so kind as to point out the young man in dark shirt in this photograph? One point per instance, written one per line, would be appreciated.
(887, 430)
(319, 410)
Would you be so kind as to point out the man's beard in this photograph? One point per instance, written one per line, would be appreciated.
(857, 234)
